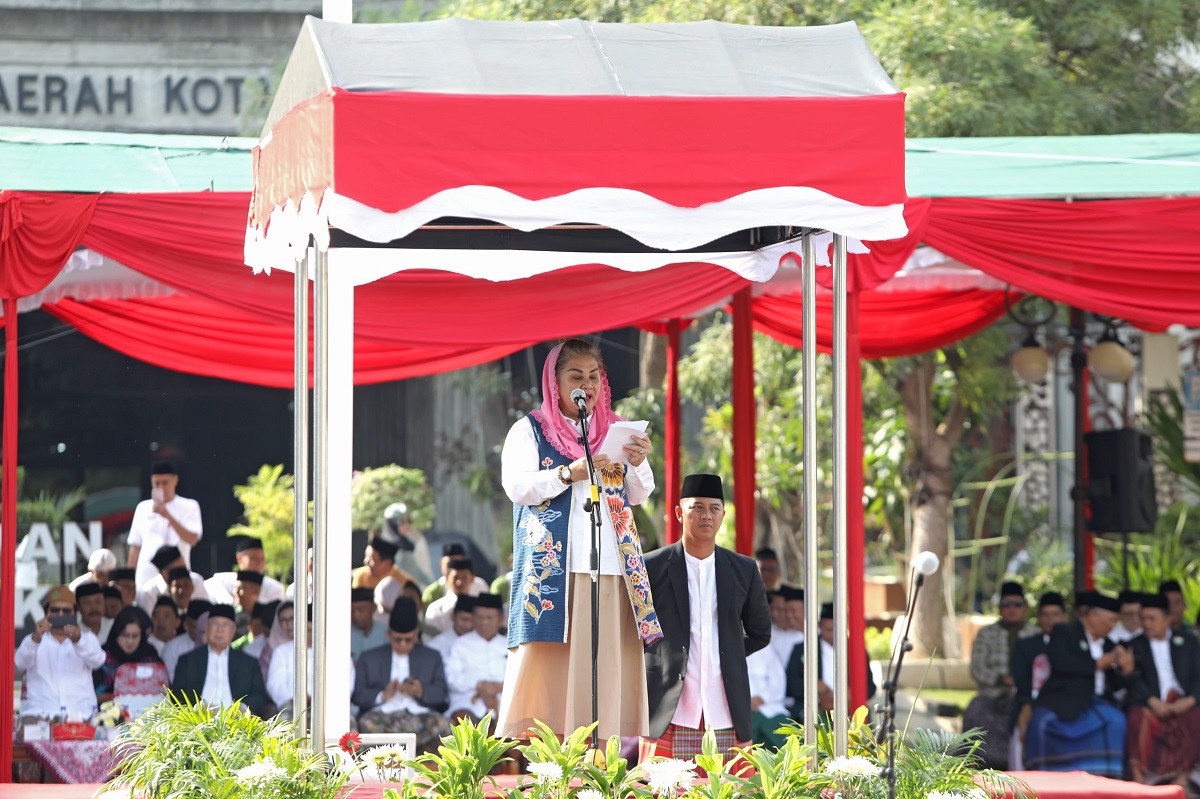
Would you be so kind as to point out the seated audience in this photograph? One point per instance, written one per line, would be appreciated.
(183, 589)
(90, 601)
(401, 687)
(825, 674)
(283, 629)
(58, 658)
(379, 561)
(436, 590)
(127, 643)
(460, 579)
(768, 568)
(366, 632)
(101, 562)
(246, 591)
(249, 557)
(1130, 624)
(217, 674)
(475, 670)
(991, 668)
(1177, 607)
(1030, 668)
(785, 637)
(192, 636)
(165, 624)
(1076, 725)
(255, 641)
(167, 559)
(463, 623)
(768, 690)
(1164, 720)
(124, 579)
(281, 679)
(114, 601)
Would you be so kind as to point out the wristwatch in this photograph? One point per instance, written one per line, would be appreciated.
(564, 474)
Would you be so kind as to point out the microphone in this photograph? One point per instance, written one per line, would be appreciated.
(925, 563)
(579, 397)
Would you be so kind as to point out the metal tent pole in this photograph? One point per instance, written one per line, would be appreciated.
(300, 469)
(808, 321)
(841, 594)
(320, 493)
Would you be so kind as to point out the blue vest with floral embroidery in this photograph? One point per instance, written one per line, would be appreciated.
(537, 610)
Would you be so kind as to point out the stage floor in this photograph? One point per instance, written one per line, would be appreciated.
(1072, 785)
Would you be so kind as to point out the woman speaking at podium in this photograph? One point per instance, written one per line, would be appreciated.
(545, 474)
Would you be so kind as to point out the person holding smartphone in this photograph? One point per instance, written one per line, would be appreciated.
(58, 658)
(164, 519)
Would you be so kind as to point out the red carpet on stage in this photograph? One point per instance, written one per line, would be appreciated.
(1049, 785)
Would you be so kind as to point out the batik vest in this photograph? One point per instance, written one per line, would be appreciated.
(538, 600)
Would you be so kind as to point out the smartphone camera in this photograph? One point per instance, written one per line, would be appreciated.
(57, 622)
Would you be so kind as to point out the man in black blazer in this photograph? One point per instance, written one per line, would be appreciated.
(713, 609)
(1076, 725)
(217, 674)
(1052, 611)
(1164, 720)
(795, 670)
(401, 687)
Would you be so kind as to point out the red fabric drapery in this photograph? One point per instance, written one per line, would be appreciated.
(890, 324)
(38, 233)
(745, 423)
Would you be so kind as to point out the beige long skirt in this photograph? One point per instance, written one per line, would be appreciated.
(552, 682)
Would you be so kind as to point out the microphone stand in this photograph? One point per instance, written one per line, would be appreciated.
(887, 719)
(592, 506)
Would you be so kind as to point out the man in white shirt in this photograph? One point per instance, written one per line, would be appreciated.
(713, 609)
(464, 622)
(89, 599)
(164, 519)
(281, 674)
(1164, 719)
(169, 562)
(366, 631)
(768, 690)
(101, 562)
(401, 687)
(784, 636)
(460, 579)
(217, 674)
(250, 558)
(1130, 625)
(475, 670)
(58, 658)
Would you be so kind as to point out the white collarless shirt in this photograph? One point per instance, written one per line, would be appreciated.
(1167, 681)
(216, 679)
(58, 674)
(768, 682)
(703, 694)
(528, 482)
(150, 531)
(1096, 648)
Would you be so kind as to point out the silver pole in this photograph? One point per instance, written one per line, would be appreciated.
(812, 594)
(841, 593)
(300, 526)
(320, 492)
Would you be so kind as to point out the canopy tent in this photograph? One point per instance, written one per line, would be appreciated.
(210, 179)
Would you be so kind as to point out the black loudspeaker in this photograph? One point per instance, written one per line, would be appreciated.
(1121, 481)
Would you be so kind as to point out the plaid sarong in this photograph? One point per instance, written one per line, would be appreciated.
(682, 743)
(1094, 742)
(429, 727)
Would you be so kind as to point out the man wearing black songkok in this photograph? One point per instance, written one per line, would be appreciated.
(712, 606)
(217, 673)
(401, 687)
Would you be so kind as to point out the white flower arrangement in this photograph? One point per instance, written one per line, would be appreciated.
(546, 773)
(973, 793)
(667, 776)
(589, 793)
(110, 714)
(856, 766)
(385, 757)
(262, 771)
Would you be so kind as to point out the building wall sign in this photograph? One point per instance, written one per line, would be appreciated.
(172, 100)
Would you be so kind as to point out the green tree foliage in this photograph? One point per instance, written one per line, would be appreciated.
(269, 513)
(374, 489)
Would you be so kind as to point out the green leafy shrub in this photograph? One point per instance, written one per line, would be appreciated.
(374, 489)
(178, 749)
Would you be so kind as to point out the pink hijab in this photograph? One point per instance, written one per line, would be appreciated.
(559, 431)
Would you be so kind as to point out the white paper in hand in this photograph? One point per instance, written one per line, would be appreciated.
(620, 434)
